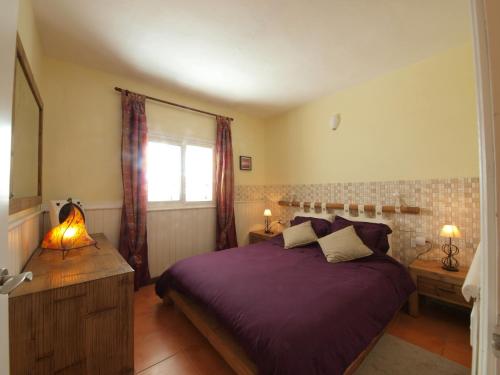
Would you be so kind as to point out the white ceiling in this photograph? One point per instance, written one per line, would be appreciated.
(261, 56)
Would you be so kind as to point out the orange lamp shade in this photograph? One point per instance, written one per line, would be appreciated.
(70, 234)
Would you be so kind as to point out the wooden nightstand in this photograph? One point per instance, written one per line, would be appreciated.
(260, 235)
(433, 281)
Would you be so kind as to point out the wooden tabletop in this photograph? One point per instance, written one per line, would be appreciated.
(88, 263)
(263, 233)
(434, 267)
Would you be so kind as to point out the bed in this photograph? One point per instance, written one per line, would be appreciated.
(268, 310)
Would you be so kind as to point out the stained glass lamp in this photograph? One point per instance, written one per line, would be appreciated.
(70, 234)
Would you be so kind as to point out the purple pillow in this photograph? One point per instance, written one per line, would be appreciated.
(373, 235)
(320, 226)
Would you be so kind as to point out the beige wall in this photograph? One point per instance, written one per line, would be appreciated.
(26, 28)
(418, 122)
(82, 131)
(414, 123)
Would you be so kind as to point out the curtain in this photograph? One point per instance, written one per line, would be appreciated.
(224, 186)
(133, 236)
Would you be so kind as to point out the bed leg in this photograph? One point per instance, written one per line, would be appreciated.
(167, 301)
(413, 305)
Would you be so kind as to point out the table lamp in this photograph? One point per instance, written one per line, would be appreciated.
(449, 262)
(70, 234)
(267, 215)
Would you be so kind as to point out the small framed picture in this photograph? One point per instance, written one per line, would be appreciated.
(245, 163)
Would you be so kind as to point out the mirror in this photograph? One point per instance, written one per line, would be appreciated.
(26, 150)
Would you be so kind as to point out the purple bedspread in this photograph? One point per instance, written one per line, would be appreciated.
(292, 311)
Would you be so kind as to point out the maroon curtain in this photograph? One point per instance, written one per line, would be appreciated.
(224, 186)
(133, 238)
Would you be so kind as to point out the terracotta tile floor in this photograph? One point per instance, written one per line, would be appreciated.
(166, 342)
(440, 329)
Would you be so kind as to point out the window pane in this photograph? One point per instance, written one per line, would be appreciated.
(164, 172)
(199, 173)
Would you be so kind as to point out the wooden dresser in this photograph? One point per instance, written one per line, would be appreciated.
(76, 316)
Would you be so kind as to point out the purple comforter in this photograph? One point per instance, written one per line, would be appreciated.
(292, 311)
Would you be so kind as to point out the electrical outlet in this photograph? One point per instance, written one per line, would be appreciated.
(420, 241)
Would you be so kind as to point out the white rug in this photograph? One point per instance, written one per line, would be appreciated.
(393, 356)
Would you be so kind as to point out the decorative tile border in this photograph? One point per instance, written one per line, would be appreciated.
(247, 193)
(442, 201)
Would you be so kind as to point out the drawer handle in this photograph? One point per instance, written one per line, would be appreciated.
(445, 290)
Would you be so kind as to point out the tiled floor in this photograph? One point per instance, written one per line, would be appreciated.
(166, 342)
(439, 329)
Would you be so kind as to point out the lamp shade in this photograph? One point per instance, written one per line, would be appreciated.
(449, 231)
(70, 234)
(267, 212)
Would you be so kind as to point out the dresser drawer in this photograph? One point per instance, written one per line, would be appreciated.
(255, 238)
(441, 290)
(259, 236)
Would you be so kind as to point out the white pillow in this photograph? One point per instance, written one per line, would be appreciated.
(343, 245)
(298, 235)
(328, 217)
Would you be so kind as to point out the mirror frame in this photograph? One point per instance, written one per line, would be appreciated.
(23, 203)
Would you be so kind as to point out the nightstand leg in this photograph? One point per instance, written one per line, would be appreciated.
(413, 304)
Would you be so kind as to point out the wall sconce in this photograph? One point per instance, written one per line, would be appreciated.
(70, 234)
(449, 262)
(335, 121)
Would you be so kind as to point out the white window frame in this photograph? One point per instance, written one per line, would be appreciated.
(182, 203)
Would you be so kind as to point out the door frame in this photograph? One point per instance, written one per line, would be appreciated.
(488, 303)
(8, 31)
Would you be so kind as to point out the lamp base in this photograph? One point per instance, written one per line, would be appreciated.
(64, 252)
(450, 269)
(449, 263)
(268, 231)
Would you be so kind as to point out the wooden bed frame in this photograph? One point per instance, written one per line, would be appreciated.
(226, 345)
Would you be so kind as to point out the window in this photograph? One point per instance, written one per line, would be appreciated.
(180, 171)
(164, 172)
(199, 173)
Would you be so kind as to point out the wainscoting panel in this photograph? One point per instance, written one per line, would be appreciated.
(24, 238)
(105, 221)
(174, 234)
(249, 216)
(178, 234)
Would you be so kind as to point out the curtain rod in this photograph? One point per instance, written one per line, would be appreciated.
(175, 104)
